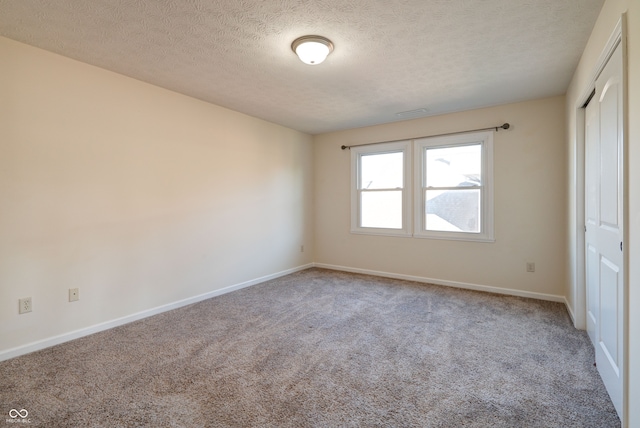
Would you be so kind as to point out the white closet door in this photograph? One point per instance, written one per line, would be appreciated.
(604, 224)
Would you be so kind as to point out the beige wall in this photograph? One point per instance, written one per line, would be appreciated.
(605, 25)
(137, 195)
(530, 225)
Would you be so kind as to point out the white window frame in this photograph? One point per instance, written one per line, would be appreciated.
(485, 139)
(356, 155)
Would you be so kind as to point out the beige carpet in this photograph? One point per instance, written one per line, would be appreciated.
(324, 349)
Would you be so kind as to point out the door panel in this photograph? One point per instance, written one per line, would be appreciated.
(609, 292)
(592, 291)
(610, 154)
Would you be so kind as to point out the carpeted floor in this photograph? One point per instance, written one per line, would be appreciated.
(323, 349)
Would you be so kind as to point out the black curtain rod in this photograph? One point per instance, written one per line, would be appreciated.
(496, 128)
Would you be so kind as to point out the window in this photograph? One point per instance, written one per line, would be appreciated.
(452, 194)
(380, 189)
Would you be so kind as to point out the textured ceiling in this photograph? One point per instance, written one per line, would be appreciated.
(390, 56)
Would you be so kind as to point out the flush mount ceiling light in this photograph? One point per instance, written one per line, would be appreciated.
(312, 50)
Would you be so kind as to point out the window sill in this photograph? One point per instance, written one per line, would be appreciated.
(398, 234)
(466, 238)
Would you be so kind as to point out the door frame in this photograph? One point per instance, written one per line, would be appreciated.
(579, 289)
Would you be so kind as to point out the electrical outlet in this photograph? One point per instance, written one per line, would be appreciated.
(531, 267)
(74, 294)
(24, 305)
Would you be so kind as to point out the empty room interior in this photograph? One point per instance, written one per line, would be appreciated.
(434, 223)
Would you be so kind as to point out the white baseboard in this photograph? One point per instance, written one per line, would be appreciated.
(570, 310)
(466, 286)
(76, 334)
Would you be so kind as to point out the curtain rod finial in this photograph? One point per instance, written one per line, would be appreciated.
(345, 147)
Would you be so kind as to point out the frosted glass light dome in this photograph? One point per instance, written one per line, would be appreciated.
(312, 50)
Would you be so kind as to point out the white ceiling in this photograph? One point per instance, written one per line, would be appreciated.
(390, 56)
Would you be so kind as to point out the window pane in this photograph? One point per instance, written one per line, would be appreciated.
(381, 209)
(454, 166)
(453, 210)
(381, 171)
